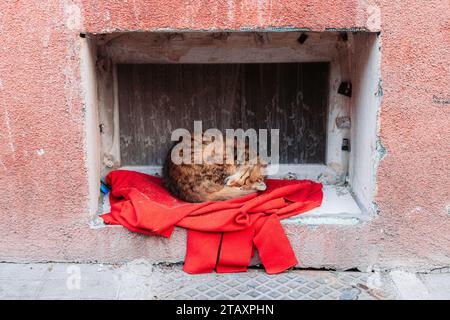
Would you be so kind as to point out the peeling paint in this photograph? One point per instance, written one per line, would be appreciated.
(381, 151)
(373, 22)
(210, 30)
(379, 92)
(327, 221)
(351, 29)
(72, 14)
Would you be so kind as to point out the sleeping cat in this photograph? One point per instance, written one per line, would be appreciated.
(211, 181)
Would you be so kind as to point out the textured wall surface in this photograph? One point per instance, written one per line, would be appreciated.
(43, 169)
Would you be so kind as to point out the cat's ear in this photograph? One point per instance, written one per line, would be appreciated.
(260, 186)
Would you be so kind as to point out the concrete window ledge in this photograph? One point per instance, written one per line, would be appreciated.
(338, 208)
(332, 230)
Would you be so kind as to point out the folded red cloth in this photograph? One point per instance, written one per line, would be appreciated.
(221, 234)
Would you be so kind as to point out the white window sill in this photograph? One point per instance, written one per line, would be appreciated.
(338, 207)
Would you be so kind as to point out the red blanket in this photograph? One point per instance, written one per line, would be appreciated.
(221, 234)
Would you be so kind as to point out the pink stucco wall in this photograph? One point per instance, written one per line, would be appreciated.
(43, 168)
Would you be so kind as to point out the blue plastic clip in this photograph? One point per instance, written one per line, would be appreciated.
(104, 188)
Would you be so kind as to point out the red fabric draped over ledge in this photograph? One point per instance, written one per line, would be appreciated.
(222, 234)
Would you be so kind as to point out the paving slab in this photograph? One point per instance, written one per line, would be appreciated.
(140, 279)
(438, 285)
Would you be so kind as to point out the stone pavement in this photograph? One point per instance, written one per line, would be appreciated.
(141, 280)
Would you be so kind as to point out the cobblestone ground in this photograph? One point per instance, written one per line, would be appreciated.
(141, 280)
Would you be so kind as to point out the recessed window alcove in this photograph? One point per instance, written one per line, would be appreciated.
(321, 90)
